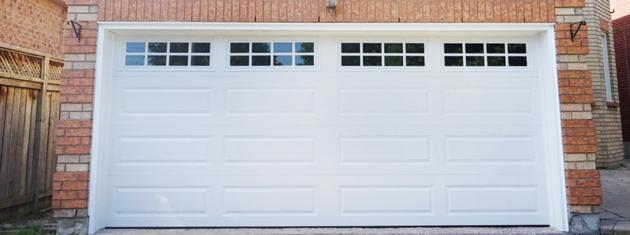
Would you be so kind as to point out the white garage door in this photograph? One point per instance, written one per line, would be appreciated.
(325, 131)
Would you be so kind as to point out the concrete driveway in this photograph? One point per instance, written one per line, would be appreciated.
(331, 231)
(615, 212)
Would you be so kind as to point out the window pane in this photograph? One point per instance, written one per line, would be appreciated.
(179, 47)
(453, 48)
(372, 48)
(239, 47)
(178, 60)
(304, 47)
(305, 60)
(157, 47)
(261, 47)
(414, 47)
(200, 60)
(454, 61)
(135, 47)
(201, 47)
(283, 60)
(517, 60)
(415, 60)
(474, 48)
(350, 48)
(134, 60)
(261, 60)
(350, 61)
(282, 47)
(393, 48)
(394, 60)
(475, 61)
(239, 60)
(372, 61)
(496, 60)
(495, 48)
(156, 60)
(517, 48)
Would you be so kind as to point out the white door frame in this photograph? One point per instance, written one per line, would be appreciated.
(557, 201)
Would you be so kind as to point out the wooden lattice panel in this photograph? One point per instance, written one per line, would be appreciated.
(55, 69)
(20, 64)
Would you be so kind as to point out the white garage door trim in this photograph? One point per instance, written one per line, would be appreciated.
(545, 32)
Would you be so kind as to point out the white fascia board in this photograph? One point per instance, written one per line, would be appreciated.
(340, 27)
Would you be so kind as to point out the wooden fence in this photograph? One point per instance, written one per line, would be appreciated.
(29, 108)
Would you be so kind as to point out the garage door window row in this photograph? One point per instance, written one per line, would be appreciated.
(302, 54)
(167, 54)
(382, 54)
(272, 54)
(485, 54)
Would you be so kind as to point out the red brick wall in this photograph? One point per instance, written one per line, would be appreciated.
(621, 34)
(580, 142)
(33, 24)
(347, 10)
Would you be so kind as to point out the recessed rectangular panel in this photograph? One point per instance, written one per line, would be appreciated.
(383, 101)
(492, 199)
(271, 200)
(258, 149)
(380, 200)
(490, 149)
(165, 101)
(384, 149)
(488, 101)
(158, 201)
(270, 101)
(163, 150)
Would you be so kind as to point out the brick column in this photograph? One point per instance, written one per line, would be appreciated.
(70, 182)
(579, 132)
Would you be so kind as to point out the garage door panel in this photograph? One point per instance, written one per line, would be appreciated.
(352, 221)
(140, 150)
(299, 200)
(166, 101)
(270, 101)
(269, 149)
(488, 102)
(385, 200)
(316, 170)
(216, 182)
(160, 201)
(330, 150)
(383, 149)
(383, 101)
(490, 149)
(280, 200)
(327, 145)
(523, 199)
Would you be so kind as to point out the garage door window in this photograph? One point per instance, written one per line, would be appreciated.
(167, 54)
(382, 54)
(485, 54)
(272, 54)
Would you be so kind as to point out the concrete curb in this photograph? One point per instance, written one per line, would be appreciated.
(615, 227)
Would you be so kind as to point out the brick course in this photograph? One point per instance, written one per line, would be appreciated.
(580, 135)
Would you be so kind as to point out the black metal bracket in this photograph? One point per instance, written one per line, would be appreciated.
(76, 27)
(579, 26)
